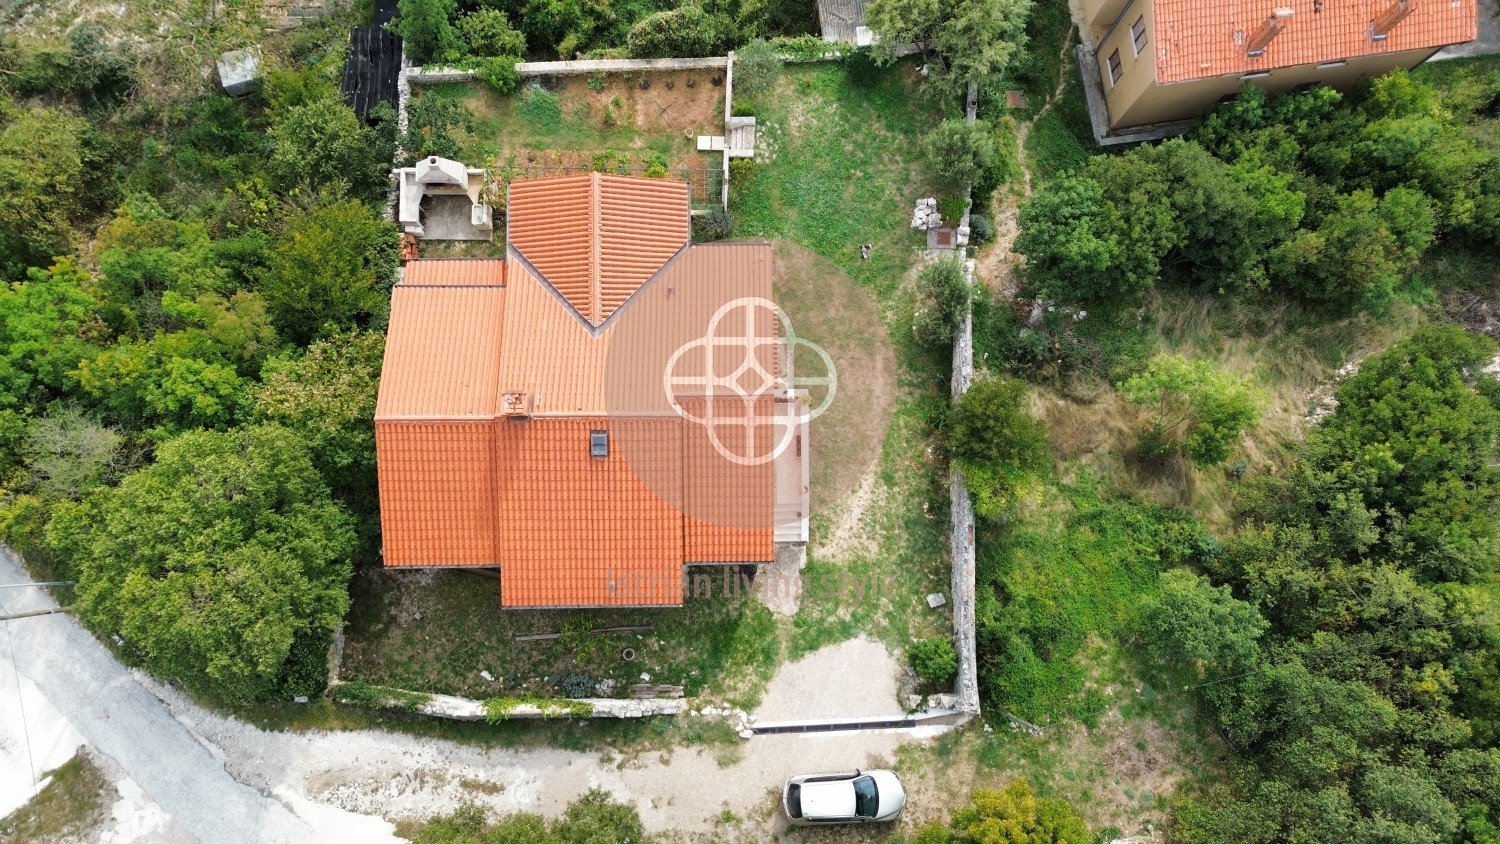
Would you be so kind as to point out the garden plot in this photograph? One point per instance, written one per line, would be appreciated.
(618, 122)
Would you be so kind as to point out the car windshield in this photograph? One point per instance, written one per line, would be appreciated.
(866, 803)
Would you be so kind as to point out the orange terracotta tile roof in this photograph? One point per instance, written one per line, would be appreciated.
(461, 484)
(442, 352)
(1195, 39)
(597, 238)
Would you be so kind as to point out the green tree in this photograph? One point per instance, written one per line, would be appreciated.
(960, 153)
(1192, 622)
(430, 125)
(41, 168)
(322, 143)
(44, 323)
(996, 442)
(942, 303)
(426, 27)
(327, 396)
(211, 561)
(684, 32)
(334, 269)
(1360, 251)
(1195, 408)
(488, 33)
(965, 42)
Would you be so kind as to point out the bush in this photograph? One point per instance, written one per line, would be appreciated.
(995, 441)
(684, 32)
(743, 110)
(500, 74)
(1196, 409)
(576, 686)
(541, 109)
(741, 172)
(959, 152)
(934, 660)
(980, 230)
(942, 301)
(488, 33)
(757, 67)
(711, 226)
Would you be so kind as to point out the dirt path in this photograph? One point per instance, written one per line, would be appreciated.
(995, 265)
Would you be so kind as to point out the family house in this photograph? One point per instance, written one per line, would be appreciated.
(598, 409)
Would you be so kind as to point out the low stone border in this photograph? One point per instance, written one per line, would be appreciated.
(439, 75)
(499, 709)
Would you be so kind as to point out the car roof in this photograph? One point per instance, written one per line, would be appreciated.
(828, 799)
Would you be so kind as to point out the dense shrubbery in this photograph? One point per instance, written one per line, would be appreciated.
(1195, 409)
(165, 439)
(1349, 658)
(997, 443)
(1329, 198)
(1012, 815)
(594, 818)
(942, 302)
(934, 660)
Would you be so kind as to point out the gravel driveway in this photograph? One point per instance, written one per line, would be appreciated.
(223, 780)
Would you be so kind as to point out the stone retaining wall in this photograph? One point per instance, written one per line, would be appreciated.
(467, 709)
(440, 75)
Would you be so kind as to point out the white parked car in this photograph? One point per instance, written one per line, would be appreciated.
(847, 797)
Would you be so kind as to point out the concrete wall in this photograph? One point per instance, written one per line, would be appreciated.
(1138, 72)
(1098, 15)
(1136, 105)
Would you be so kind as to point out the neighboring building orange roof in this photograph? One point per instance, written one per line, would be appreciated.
(1195, 39)
(597, 238)
(465, 482)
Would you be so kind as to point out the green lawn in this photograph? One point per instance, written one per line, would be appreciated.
(839, 166)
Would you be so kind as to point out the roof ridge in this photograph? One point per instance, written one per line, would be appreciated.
(595, 236)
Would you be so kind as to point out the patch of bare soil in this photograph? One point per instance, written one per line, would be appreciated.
(829, 309)
(1475, 310)
(849, 537)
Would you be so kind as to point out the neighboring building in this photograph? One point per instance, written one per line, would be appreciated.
(843, 22)
(533, 416)
(1166, 60)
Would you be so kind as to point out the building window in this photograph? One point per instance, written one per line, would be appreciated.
(1115, 68)
(1138, 34)
(1326, 65)
(598, 443)
(1305, 87)
(1228, 98)
(1261, 75)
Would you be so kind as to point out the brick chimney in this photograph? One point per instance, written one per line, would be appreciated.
(1268, 31)
(1381, 27)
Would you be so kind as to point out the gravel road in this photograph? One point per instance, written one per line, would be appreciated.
(222, 780)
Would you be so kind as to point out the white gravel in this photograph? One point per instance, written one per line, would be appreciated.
(222, 780)
(852, 679)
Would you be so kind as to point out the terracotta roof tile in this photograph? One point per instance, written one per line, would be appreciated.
(596, 238)
(577, 530)
(436, 493)
(463, 485)
(455, 272)
(1196, 39)
(442, 352)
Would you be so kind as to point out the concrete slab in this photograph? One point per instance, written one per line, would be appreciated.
(450, 218)
(1488, 42)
